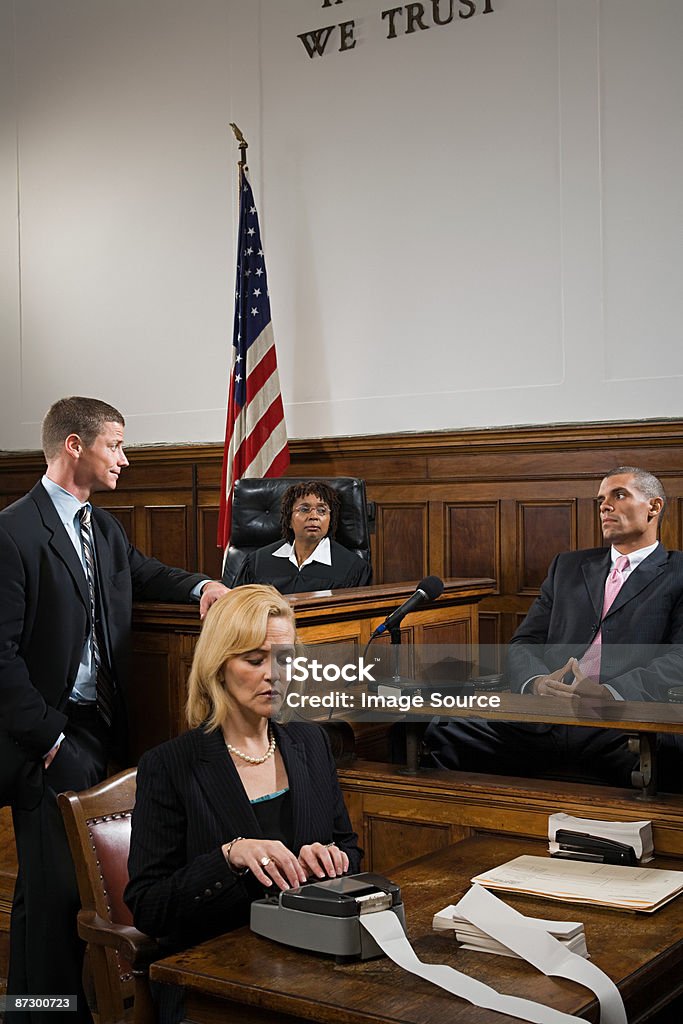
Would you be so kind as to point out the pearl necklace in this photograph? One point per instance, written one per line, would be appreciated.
(254, 760)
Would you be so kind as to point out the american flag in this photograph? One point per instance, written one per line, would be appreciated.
(255, 433)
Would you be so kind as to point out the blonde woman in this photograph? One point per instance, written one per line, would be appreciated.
(238, 805)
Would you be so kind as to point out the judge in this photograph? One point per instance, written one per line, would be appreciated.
(309, 558)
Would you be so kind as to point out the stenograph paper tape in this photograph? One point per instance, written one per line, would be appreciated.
(387, 932)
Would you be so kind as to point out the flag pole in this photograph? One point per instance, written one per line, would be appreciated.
(255, 431)
(243, 147)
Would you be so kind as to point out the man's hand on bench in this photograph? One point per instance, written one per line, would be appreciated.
(581, 686)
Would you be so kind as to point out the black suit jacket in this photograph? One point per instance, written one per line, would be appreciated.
(347, 570)
(642, 633)
(190, 801)
(45, 616)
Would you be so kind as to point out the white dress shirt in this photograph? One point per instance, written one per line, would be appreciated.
(322, 553)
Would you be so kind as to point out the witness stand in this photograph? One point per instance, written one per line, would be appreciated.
(643, 720)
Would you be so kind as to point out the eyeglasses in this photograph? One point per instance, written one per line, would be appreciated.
(305, 510)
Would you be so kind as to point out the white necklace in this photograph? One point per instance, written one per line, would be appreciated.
(254, 760)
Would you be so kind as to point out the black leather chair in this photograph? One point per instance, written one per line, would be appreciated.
(256, 517)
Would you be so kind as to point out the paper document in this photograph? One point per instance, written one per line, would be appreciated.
(606, 885)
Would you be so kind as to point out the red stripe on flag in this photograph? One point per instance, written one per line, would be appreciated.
(252, 444)
(261, 372)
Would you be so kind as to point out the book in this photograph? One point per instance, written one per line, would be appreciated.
(574, 881)
(637, 834)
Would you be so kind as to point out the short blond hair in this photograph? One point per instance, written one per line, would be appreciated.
(235, 624)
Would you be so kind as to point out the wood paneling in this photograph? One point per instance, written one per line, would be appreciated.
(473, 539)
(167, 536)
(451, 632)
(672, 524)
(126, 516)
(402, 544)
(489, 628)
(382, 837)
(497, 503)
(544, 528)
(210, 557)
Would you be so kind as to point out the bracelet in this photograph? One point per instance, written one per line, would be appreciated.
(226, 853)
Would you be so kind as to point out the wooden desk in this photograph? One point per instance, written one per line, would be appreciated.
(242, 977)
(399, 816)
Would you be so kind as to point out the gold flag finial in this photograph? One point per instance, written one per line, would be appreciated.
(243, 145)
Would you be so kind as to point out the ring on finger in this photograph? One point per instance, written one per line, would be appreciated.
(264, 862)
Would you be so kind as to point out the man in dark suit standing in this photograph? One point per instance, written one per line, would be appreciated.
(68, 577)
(607, 625)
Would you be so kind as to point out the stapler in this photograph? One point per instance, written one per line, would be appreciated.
(584, 846)
(325, 916)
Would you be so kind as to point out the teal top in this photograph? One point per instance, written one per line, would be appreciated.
(274, 815)
(269, 796)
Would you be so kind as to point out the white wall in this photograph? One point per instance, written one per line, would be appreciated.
(475, 224)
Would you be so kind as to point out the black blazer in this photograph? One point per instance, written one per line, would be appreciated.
(45, 615)
(190, 801)
(347, 570)
(642, 633)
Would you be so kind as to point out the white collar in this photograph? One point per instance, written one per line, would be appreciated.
(322, 553)
(635, 557)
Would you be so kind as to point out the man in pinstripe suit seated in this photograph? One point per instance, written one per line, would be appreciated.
(607, 625)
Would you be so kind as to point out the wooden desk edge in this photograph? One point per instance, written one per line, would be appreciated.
(354, 601)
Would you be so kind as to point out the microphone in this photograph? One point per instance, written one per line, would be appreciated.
(427, 590)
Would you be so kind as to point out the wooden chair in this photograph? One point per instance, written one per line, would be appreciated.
(97, 823)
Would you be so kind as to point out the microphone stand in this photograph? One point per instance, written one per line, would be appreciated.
(397, 679)
(414, 730)
(395, 635)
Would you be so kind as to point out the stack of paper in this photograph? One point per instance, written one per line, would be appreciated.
(569, 933)
(606, 885)
(637, 834)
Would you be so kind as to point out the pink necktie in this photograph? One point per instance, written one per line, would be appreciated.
(590, 662)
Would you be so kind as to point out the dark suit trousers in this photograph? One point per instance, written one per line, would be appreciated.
(535, 750)
(46, 955)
